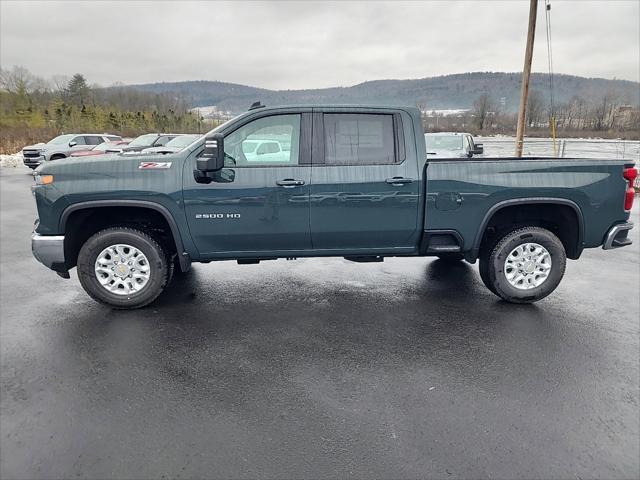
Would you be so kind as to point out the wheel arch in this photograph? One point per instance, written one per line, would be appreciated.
(540, 201)
(183, 257)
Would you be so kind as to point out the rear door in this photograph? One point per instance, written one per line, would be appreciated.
(365, 182)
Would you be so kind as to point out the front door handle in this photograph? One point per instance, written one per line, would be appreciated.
(397, 181)
(290, 183)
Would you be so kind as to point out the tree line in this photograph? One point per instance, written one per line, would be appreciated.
(34, 109)
(604, 116)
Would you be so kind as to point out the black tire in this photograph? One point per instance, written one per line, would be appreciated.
(492, 265)
(158, 263)
(451, 257)
(483, 268)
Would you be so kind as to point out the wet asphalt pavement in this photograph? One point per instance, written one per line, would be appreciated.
(317, 368)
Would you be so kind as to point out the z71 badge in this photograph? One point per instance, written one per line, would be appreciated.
(159, 165)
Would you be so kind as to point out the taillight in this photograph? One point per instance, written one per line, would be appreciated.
(630, 175)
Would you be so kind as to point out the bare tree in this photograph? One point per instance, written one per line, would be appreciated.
(603, 112)
(535, 108)
(17, 81)
(59, 84)
(481, 109)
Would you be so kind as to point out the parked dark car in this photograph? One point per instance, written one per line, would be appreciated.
(175, 145)
(146, 141)
(100, 149)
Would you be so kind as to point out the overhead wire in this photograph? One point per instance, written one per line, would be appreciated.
(552, 116)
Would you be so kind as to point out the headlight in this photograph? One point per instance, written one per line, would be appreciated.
(43, 179)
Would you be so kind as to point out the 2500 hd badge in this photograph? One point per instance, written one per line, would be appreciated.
(216, 216)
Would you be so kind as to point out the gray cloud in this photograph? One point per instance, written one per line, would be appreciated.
(289, 45)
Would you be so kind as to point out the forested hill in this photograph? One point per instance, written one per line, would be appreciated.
(444, 92)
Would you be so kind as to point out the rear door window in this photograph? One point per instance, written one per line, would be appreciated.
(93, 140)
(359, 139)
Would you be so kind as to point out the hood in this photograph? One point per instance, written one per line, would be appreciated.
(36, 146)
(437, 153)
(108, 164)
(162, 150)
(126, 148)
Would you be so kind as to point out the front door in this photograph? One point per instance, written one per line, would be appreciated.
(365, 186)
(259, 203)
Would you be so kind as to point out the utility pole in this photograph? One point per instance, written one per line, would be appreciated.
(526, 73)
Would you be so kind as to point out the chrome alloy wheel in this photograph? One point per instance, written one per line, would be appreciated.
(122, 269)
(527, 266)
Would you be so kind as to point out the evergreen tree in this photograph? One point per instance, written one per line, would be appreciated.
(78, 90)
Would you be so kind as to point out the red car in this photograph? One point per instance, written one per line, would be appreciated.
(99, 149)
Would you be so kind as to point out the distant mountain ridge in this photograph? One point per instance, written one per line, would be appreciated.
(443, 92)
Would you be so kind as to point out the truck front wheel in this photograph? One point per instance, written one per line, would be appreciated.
(123, 267)
(525, 265)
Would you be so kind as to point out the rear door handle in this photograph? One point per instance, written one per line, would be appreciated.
(290, 183)
(399, 181)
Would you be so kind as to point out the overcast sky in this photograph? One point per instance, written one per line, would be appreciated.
(291, 45)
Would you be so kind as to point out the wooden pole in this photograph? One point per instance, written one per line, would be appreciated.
(526, 73)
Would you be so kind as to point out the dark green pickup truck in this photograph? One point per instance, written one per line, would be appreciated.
(316, 181)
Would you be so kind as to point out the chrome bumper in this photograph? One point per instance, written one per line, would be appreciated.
(49, 250)
(617, 236)
(30, 161)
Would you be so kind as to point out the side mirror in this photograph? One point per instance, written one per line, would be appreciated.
(73, 144)
(212, 158)
(478, 149)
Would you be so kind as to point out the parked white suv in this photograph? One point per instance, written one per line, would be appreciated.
(451, 145)
(62, 146)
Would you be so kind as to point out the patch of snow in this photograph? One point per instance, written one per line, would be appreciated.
(12, 161)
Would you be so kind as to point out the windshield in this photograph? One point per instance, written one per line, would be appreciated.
(182, 141)
(61, 139)
(444, 142)
(249, 147)
(144, 140)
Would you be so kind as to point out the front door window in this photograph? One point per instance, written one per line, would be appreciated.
(268, 141)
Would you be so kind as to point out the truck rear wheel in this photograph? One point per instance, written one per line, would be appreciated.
(123, 267)
(525, 266)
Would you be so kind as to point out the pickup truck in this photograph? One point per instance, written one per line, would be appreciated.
(451, 145)
(355, 182)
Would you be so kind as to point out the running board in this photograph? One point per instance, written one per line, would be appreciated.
(365, 258)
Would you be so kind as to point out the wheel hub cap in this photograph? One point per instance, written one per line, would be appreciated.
(122, 269)
(527, 266)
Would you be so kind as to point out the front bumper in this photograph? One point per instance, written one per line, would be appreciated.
(49, 250)
(33, 161)
(617, 236)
